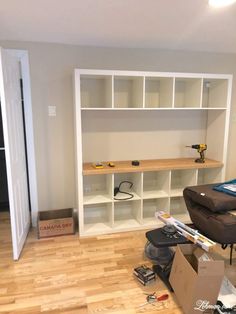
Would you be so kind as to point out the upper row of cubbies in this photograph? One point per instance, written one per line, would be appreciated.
(150, 92)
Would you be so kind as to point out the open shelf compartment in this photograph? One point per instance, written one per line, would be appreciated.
(96, 91)
(187, 92)
(180, 179)
(207, 176)
(129, 179)
(98, 218)
(150, 206)
(97, 189)
(127, 214)
(128, 92)
(156, 184)
(158, 92)
(178, 209)
(214, 93)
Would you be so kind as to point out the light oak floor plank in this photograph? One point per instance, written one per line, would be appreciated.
(71, 275)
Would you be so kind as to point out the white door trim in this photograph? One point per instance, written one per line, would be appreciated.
(25, 72)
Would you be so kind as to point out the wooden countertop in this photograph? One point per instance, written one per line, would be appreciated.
(150, 165)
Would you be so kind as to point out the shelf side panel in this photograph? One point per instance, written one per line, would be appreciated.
(215, 136)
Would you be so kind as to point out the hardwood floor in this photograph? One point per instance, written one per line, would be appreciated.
(78, 276)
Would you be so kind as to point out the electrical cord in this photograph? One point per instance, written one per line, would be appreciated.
(118, 190)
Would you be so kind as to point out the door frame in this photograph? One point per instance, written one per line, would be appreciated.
(23, 58)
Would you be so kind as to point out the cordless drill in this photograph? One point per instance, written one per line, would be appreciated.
(200, 148)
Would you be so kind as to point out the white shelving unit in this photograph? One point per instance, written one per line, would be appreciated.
(150, 116)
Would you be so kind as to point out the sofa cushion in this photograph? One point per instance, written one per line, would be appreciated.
(219, 225)
(213, 200)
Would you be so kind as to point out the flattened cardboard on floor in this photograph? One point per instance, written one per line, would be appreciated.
(195, 278)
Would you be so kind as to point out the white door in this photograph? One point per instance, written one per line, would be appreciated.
(12, 119)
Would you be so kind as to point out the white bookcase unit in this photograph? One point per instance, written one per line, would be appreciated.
(122, 116)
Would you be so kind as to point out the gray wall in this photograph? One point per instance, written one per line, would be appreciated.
(51, 67)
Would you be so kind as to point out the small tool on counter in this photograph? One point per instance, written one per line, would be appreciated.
(111, 164)
(98, 165)
(200, 148)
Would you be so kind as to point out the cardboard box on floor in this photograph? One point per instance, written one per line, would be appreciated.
(195, 278)
(56, 222)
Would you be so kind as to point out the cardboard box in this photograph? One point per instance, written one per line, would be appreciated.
(195, 278)
(56, 222)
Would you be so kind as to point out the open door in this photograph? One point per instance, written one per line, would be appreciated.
(13, 130)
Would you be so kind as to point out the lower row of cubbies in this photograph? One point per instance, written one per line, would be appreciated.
(131, 214)
(152, 191)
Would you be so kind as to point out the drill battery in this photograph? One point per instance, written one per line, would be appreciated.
(144, 274)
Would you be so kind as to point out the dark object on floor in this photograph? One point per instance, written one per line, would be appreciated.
(144, 274)
(160, 241)
(159, 256)
(209, 210)
(152, 298)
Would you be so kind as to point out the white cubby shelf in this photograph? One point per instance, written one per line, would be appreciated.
(151, 117)
(156, 185)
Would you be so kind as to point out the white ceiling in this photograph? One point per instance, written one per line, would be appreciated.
(164, 24)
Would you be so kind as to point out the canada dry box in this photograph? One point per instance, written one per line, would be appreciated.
(55, 222)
